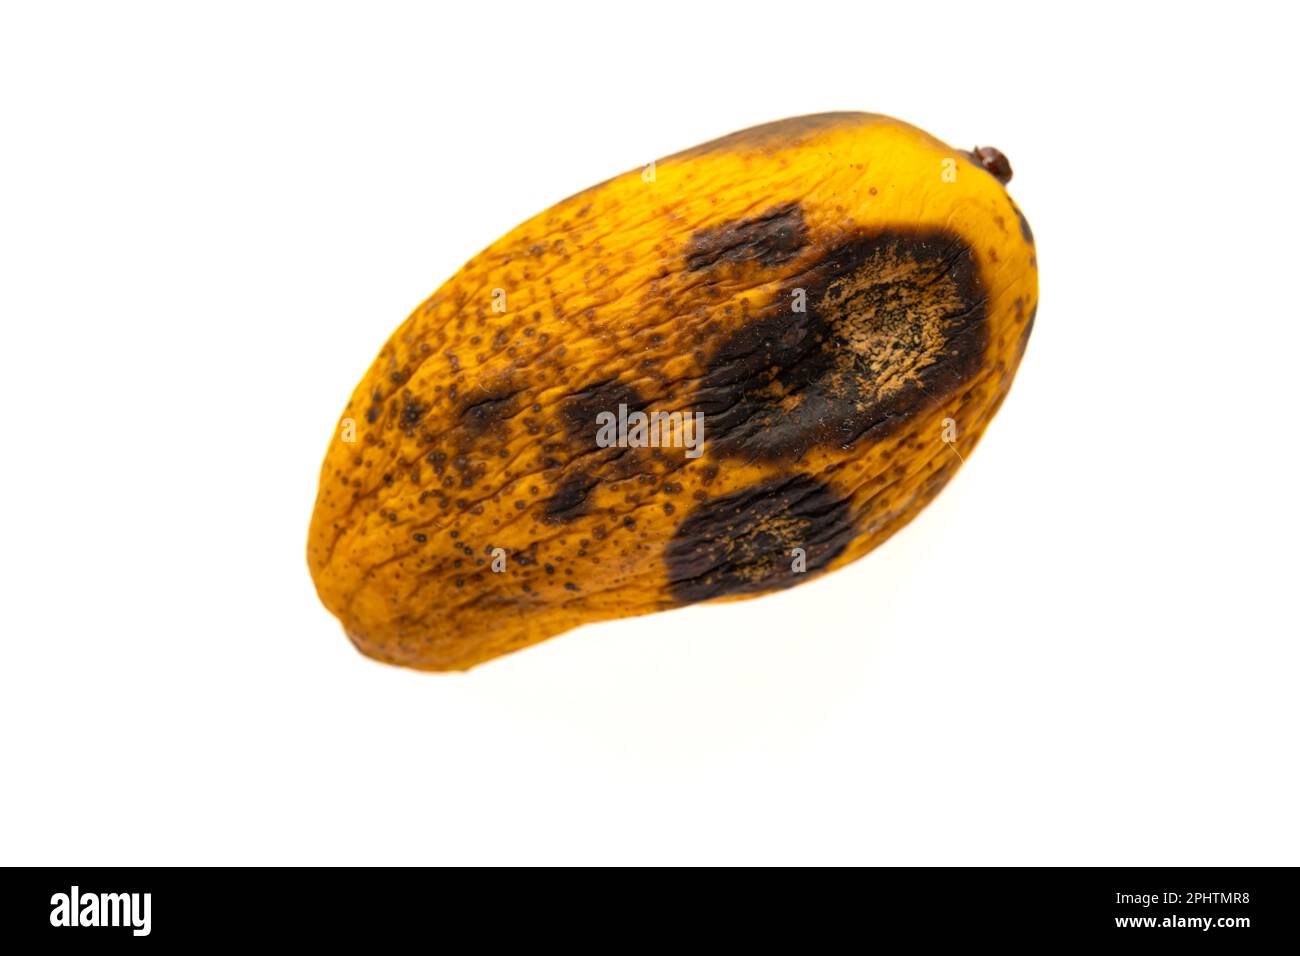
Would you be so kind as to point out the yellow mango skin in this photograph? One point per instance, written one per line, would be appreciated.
(473, 429)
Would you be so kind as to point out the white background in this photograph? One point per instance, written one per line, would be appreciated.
(1084, 652)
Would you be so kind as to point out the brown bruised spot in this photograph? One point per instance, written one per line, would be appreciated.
(569, 500)
(1025, 231)
(580, 409)
(1029, 328)
(743, 543)
(482, 411)
(895, 322)
(774, 237)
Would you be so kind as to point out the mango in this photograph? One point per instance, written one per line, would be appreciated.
(718, 375)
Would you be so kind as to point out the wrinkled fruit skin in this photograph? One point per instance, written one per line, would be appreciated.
(826, 429)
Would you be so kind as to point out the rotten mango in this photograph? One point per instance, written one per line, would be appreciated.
(839, 300)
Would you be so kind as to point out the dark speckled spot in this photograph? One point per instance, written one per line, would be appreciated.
(1024, 224)
(895, 321)
(569, 500)
(770, 239)
(741, 543)
(412, 412)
